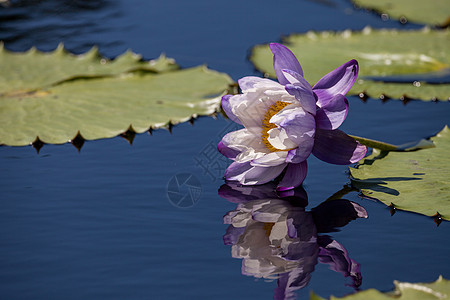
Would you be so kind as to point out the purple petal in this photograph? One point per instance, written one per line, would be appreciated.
(291, 229)
(301, 153)
(338, 81)
(226, 106)
(338, 259)
(360, 211)
(336, 147)
(232, 235)
(289, 282)
(306, 99)
(297, 79)
(283, 58)
(355, 274)
(236, 170)
(301, 90)
(226, 151)
(294, 176)
(333, 114)
(298, 124)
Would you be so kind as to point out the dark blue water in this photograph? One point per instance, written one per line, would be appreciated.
(99, 224)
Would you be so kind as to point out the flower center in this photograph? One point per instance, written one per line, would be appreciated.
(266, 125)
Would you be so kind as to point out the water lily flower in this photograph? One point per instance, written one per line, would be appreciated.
(285, 121)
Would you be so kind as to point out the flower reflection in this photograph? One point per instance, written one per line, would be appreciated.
(276, 238)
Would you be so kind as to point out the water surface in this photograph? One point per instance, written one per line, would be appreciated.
(99, 224)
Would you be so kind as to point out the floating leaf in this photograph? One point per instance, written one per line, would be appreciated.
(414, 181)
(433, 12)
(34, 69)
(98, 102)
(380, 53)
(440, 289)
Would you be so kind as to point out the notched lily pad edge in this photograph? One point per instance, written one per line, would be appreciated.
(95, 54)
(210, 105)
(362, 94)
(129, 134)
(350, 187)
(137, 64)
(437, 217)
(384, 149)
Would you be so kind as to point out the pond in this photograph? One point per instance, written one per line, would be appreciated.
(109, 222)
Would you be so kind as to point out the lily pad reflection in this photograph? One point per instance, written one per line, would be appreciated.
(276, 238)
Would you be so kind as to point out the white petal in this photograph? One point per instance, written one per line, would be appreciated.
(267, 84)
(279, 139)
(243, 140)
(261, 175)
(250, 154)
(271, 159)
(251, 83)
(286, 112)
(252, 106)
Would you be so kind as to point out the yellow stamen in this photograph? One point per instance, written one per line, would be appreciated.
(266, 125)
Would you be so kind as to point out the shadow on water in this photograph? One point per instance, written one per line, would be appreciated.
(277, 239)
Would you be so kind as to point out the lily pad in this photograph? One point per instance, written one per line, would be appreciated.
(416, 181)
(100, 101)
(433, 12)
(440, 289)
(381, 54)
(25, 71)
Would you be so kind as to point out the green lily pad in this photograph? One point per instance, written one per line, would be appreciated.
(416, 181)
(433, 12)
(102, 101)
(380, 53)
(440, 289)
(34, 69)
